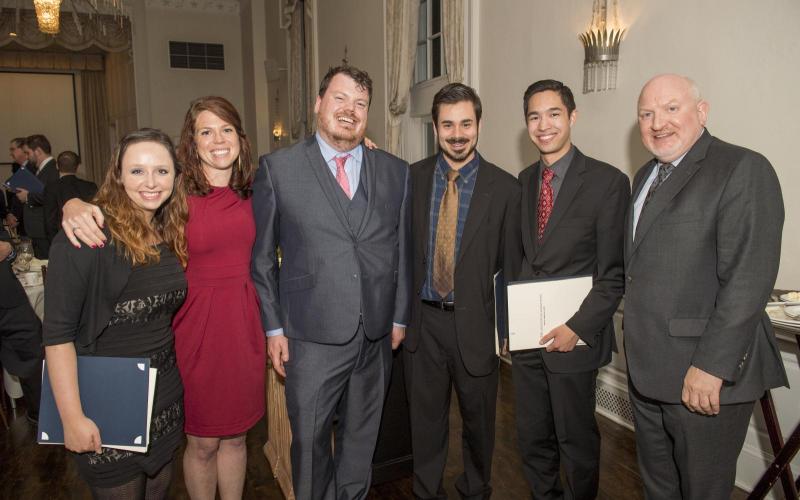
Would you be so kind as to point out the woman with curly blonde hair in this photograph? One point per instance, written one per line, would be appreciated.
(118, 301)
(220, 345)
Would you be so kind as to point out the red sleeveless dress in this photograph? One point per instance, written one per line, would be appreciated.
(219, 341)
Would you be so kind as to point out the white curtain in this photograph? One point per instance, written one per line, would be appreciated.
(453, 38)
(401, 29)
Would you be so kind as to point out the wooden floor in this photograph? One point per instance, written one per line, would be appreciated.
(32, 471)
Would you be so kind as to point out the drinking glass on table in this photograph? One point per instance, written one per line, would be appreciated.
(24, 255)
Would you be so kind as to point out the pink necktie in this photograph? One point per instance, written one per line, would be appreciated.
(341, 175)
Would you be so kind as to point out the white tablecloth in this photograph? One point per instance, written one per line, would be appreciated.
(35, 295)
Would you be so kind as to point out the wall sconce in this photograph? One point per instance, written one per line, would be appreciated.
(601, 48)
(277, 132)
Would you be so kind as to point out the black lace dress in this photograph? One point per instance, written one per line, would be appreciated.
(142, 326)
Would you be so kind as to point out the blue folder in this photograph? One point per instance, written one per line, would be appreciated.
(25, 179)
(116, 393)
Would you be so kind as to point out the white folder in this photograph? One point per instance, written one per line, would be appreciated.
(536, 307)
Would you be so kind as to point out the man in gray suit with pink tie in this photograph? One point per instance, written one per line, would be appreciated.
(339, 303)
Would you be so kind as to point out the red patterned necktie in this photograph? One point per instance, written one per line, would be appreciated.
(545, 206)
(341, 175)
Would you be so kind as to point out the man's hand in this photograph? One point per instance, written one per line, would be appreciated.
(701, 391)
(22, 195)
(398, 334)
(278, 351)
(83, 221)
(11, 221)
(369, 143)
(563, 339)
(5, 250)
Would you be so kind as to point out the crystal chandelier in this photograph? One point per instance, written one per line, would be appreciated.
(47, 15)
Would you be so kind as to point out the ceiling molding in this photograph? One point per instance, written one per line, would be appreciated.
(212, 6)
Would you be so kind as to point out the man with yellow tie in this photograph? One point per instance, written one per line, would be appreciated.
(465, 228)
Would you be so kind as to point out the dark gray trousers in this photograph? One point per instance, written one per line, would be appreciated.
(431, 373)
(556, 427)
(348, 382)
(685, 455)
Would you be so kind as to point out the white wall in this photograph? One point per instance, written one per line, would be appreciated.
(357, 24)
(163, 94)
(39, 103)
(742, 54)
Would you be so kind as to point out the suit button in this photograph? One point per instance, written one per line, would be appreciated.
(355, 276)
(630, 279)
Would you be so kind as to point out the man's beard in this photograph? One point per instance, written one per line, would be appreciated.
(457, 157)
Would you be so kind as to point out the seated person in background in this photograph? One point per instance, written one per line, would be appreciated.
(119, 300)
(68, 186)
(20, 332)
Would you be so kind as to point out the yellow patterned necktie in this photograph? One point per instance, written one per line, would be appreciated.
(445, 249)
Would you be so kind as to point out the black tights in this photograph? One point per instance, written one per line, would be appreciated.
(142, 487)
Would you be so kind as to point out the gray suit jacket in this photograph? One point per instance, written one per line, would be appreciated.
(699, 273)
(331, 276)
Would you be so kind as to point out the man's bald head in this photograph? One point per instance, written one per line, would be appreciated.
(672, 116)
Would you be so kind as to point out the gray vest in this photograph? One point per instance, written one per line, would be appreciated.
(357, 207)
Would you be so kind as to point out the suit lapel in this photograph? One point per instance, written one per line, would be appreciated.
(530, 196)
(368, 176)
(663, 196)
(320, 169)
(572, 182)
(478, 207)
(422, 205)
(639, 182)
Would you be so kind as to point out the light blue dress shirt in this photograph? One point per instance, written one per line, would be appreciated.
(352, 166)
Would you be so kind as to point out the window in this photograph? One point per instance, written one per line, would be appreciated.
(430, 53)
(429, 145)
(190, 55)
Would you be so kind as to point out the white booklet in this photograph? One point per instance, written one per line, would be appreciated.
(536, 307)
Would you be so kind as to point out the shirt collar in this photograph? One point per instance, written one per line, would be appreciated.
(329, 153)
(561, 165)
(465, 173)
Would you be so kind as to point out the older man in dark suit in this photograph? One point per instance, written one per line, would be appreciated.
(702, 248)
(19, 159)
(466, 228)
(340, 214)
(573, 213)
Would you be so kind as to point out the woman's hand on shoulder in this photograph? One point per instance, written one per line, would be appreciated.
(81, 435)
(83, 221)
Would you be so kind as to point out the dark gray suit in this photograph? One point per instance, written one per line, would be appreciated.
(698, 275)
(344, 279)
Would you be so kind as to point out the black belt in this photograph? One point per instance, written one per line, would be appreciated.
(442, 306)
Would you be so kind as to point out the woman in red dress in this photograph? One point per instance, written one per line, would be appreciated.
(220, 345)
(218, 336)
